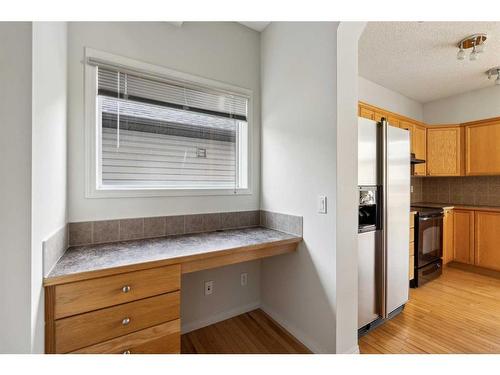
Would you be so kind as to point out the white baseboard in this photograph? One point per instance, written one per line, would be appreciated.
(353, 350)
(297, 333)
(191, 326)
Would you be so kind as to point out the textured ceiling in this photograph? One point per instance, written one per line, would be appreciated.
(419, 60)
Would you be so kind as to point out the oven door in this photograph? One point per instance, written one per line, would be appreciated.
(430, 239)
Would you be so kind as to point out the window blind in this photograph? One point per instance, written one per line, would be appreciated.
(161, 134)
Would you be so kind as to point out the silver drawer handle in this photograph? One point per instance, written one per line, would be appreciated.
(126, 289)
(125, 321)
(126, 352)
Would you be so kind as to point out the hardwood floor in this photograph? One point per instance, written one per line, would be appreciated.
(456, 313)
(251, 333)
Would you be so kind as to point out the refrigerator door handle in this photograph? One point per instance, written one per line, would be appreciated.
(383, 253)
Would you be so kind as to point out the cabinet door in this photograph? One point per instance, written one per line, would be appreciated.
(444, 151)
(378, 116)
(419, 148)
(366, 112)
(448, 253)
(487, 240)
(393, 121)
(482, 148)
(463, 236)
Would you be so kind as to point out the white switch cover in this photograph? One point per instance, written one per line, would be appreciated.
(209, 287)
(244, 279)
(322, 204)
(411, 188)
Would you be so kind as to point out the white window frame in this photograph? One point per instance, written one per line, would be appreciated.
(93, 136)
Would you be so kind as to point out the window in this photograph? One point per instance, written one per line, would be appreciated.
(156, 132)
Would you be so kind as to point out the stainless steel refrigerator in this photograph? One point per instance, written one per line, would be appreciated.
(383, 239)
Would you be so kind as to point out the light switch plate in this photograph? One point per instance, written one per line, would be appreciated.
(322, 204)
(209, 287)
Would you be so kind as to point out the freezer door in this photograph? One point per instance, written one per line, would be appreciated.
(397, 222)
(367, 152)
(368, 277)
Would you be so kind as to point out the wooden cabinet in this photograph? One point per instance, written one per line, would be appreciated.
(482, 147)
(419, 147)
(448, 251)
(115, 313)
(463, 236)
(487, 240)
(445, 155)
(366, 112)
(411, 274)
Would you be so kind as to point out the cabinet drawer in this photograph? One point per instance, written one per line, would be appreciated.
(412, 248)
(161, 339)
(90, 328)
(412, 221)
(412, 234)
(82, 296)
(411, 271)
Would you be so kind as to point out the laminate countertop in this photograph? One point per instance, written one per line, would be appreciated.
(90, 259)
(458, 206)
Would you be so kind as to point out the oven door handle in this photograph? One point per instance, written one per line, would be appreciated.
(428, 218)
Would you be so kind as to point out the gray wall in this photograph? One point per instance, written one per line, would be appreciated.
(15, 187)
(222, 51)
(49, 155)
(470, 106)
(298, 164)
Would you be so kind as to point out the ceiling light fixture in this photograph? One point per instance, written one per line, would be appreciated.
(494, 72)
(476, 42)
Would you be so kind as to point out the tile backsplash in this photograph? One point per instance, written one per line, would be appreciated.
(469, 190)
(94, 232)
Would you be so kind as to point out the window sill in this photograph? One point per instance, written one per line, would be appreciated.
(138, 193)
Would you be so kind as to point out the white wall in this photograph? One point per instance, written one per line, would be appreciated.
(470, 106)
(298, 164)
(222, 51)
(15, 187)
(347, 193)
(229, 298)
(49, 167)
(380, 96)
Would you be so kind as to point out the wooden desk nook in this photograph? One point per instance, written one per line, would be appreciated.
(124, 297)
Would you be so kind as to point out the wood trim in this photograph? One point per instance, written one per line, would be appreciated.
(390, 113)
(219, 261)
(481, 122)
(50, 333)
(475, 269)
(266, 247)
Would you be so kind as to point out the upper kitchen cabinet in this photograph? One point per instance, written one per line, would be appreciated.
(482, 147)
(419, 148)
(445, 156)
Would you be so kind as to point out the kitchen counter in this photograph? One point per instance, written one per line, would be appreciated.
(213, 249)
(458, 206)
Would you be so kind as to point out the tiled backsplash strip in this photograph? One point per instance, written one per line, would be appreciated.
(94, 232)
(468, 190)
(54, 247)
(282, 222)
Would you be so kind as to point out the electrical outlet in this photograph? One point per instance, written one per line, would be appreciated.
(244, 279)
(411, 188)
(209, 287)
(322, 204)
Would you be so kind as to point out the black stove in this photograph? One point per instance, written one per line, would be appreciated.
(428, 244)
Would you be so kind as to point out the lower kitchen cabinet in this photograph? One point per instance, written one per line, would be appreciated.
(448, 225)
(487, 240)
(463, 236)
